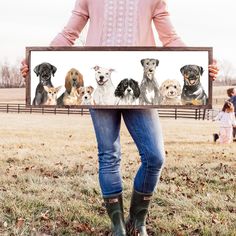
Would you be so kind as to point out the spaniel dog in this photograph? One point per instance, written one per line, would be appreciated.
(73, 81)
(170, 92)
(128, 92)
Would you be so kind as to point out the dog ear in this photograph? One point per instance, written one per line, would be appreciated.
(157, 62)
(36, 69)
(91, 88)
(201, 70)
(142, 61)
(80, 80)
(58, 88)
(136, 89)
(119, 92)
(111, 70)
(183, 69)
(53, 69)
(96, 68)
(67, 82)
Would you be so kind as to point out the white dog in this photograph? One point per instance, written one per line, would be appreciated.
(170, 92)
(104, 93)
(85, 95)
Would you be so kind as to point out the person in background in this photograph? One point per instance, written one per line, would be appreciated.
(231, 92)
(227, 121)
(125, 23)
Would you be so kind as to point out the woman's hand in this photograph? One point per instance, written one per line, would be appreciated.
(24, 69)
(213, 70)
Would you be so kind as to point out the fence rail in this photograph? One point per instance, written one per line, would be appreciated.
(176, 113)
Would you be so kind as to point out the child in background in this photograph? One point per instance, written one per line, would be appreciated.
(227, 121)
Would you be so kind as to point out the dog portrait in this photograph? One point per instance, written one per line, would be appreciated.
(149, 88)
(127, 92)
(124, 77)
(44, 71)
(170, 91)
(193, 92)
(85, 95)
(73, 81)
(104, 92)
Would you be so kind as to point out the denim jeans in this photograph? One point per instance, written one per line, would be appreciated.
(144, 127)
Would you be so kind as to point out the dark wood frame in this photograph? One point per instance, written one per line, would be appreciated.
(210, 61)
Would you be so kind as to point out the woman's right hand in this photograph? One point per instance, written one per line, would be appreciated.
(24, 69)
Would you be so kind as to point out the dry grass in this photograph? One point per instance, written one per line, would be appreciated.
(49, 183)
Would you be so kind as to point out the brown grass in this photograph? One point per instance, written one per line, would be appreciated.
(49, 183)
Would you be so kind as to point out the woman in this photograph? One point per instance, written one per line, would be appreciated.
(124, 23)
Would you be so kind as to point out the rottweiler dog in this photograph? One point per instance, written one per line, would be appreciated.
(193, 92)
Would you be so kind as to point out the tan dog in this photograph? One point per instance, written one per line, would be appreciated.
(170, 92)
(73, 81)
(85, 95)
(51, 95)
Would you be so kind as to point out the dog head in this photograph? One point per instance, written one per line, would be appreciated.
(149, 67)
(127, 87)
(170, 89)
(85, 93)
(73, 79)
(102, 75)
(192, 74)
(45, 71)
(52, 91)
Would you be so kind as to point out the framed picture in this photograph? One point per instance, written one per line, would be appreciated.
(119, 77)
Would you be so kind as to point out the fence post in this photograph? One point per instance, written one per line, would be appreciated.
(68, 111)
(7, 108)
(176, 115)
(18, 109)
(204, 114)
(195, 114)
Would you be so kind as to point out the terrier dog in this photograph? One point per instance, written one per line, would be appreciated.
(193, 92)
(44, 71)
(52, 95)
(128, 92)
(170, 91)
(85, 95)
(149, 88)
(104, 93)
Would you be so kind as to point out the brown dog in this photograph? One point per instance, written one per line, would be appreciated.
(74, 79)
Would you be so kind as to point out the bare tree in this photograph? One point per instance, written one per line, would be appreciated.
(227, 72)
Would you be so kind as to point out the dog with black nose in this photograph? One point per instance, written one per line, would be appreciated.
(193, 92)
(128, 92)
(149, 88)
(44, 71)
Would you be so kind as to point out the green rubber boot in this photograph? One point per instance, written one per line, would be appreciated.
(136, 223)
(114, 206)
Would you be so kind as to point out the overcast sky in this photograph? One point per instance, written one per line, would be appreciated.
(36, 22)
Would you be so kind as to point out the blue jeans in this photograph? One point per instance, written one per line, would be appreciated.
(144, 127)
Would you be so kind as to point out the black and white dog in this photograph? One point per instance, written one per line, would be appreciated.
(44, 71)
(193, 92)
(128, 92)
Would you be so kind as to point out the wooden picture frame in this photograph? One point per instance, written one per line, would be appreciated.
(119, 77)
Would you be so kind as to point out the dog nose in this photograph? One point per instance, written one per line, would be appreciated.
(171, 92)
(74, 79)
(150, 70)
(86, 97)
(101, 77)
(129, 90)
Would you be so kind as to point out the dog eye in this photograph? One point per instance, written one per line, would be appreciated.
(147, 63)
(107, 73)
(76, 73)
(88, 92)
(99, 72)
(167, 87)
(175, 87)
(71, 73)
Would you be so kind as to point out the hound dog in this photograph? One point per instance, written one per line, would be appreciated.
(104, 93)
(44, 71)
(149, 88)
(170, 91)
(193, 92)
(73, 81)
(128, 92)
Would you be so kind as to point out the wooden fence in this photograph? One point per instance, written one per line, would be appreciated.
(176, 113)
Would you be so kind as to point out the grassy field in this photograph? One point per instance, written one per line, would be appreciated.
(49, 182)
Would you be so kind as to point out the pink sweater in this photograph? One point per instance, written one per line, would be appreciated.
(119, 23)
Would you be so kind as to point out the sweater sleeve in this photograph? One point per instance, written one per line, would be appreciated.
(164, 27)
(74, 26)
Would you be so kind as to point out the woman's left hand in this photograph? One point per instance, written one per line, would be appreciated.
(213, 70)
